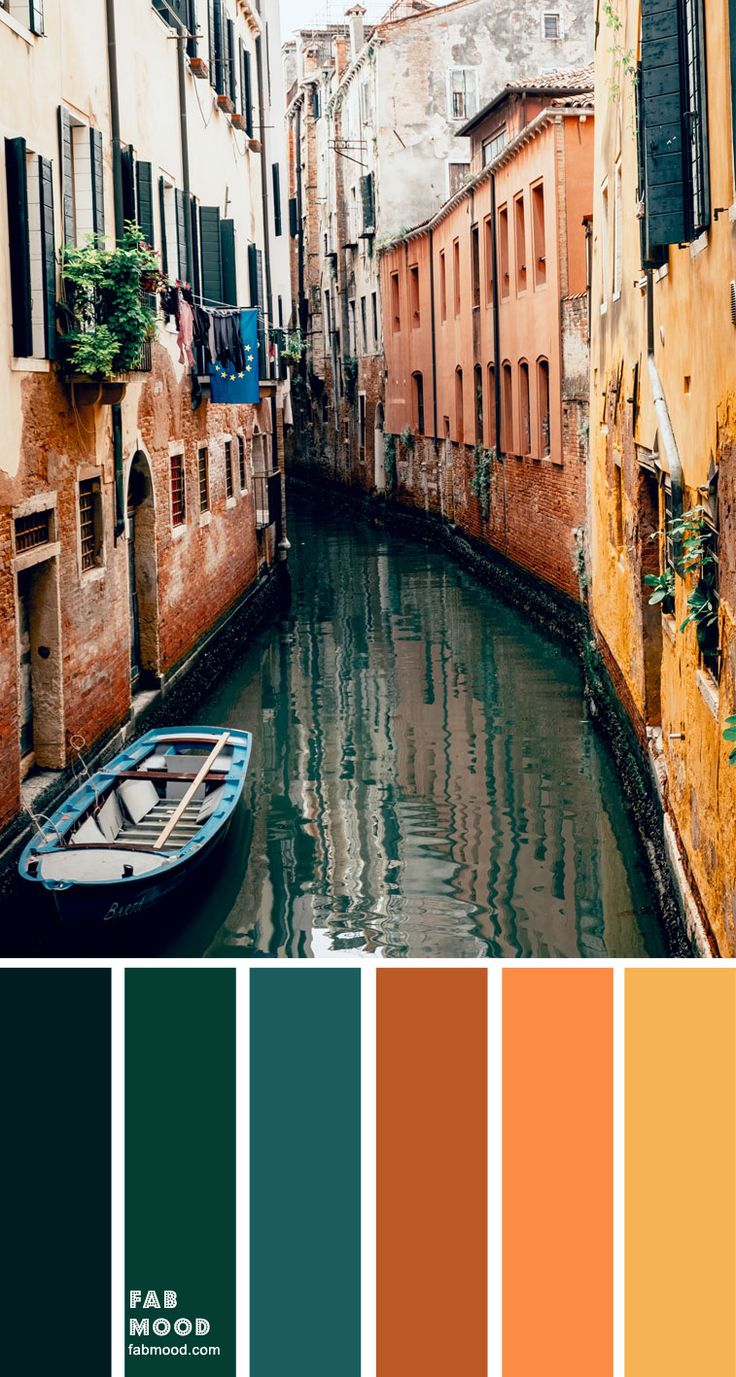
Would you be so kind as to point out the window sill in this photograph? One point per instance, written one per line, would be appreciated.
(604, 307)
(230, 503)
(94, 575)
(38, 555)
(699, 244)
(708, 690)
(616, 296)
(179, 530)
(29, 365)
(18, 28)
(204, 519)
(660, 273)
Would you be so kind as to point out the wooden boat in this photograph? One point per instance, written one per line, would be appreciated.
(132, 833)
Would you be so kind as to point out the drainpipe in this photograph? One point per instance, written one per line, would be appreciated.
(112, 68)
(669, 443)
(434, 340)
(264, 198)
(181, 69)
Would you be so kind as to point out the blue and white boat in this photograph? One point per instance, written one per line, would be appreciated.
(132, 833)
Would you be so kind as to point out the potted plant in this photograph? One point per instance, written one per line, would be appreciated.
(225, 103)
(237, 120)
(199, 68)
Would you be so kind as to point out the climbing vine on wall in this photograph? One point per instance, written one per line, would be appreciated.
(390, 460)
(480, 483)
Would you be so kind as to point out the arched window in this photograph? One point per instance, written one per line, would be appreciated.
(478, 387)
(507, 410)
(524, 408)
(417, 402)
(543, 395)
(491, 406)
(459, 411)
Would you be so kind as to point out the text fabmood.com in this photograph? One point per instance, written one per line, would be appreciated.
(157, 1327)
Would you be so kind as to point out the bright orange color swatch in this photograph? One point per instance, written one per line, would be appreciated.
(432, 1173)
(558, 1173)
(680, 1173)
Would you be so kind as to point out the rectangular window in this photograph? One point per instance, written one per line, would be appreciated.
(361, 427)
(32, 251)
(374, 314)
(710, 645)
(520, 243)
(229, 484)
(503, 250)
(617, 233)
(90, 523)
(364, 323)
(352, 341)
(551, 24)
(395, 302)
(241, 463)
(605, 246)
(539, 235)
(463, 93)
(475, 262)
(456, 176)
(456, 275)
(414, 295)
(507, 410)
(178, 496)
(203, 477)
(492, 146)
(488, 240)
(443, 286)
(32, 531)
(276, 176)
(27, 12)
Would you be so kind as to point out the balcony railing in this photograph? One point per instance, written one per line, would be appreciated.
(101, 310)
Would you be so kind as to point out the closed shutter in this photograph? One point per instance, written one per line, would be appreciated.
(652, 256)
(98, 183)
(257, 299)
(232, 84)
(48, 254)
(144, 187)
(162, 217)
(248, 93)
(127, 169)
(191, 23)
(293, 217)
(229, 275)
(194, 222)
(20, 256)
(36, 16)
(276, 174)
(181, 238)
(219, 22)
(369, 207)
(209, 230)
(211, 33)
(663, 101)
(67, 175)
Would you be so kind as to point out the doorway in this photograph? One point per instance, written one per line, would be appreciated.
(142, 574)
(40, 689)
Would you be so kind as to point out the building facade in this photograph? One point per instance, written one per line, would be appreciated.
(486, 336)
(135, 513)
(661, 558)
(376, 118)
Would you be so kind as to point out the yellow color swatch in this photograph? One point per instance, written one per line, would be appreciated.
(681, 1173)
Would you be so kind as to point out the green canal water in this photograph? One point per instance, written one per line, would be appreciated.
(425, 781)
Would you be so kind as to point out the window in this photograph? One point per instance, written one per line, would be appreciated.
(475, 263)
(417, 402)
(361, 427)
(492, 146)
(457, 174)
(276, 177)
(507, 410)
(90, 523)
(32, 531)
(229, 483)
(27, 12)
(456, 274)
(503, 250)
(520, 243)
(374, 315)
(414, 295)
(364, 324)
(539, 235)
(478, 387)
(617, 233)
(203, 475)
(710, 639)
(543, 394)
(463, 93)
(491, 406)
(395, 302)
(82, 180)
(443, 286)
(32, 251)
(241, 463)
(605, 244)
(459, 407)
(178, 496)
(328, 319)
(551, 24)
(696, 115)
(488, 238)
(524, 408)
(352, 342)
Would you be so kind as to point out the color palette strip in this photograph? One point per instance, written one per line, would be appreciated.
(305, 1173)
(180, 1168)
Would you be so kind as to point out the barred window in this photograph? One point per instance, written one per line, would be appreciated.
(178, 501)
(90, 523)
(31, 531)
(229, 487)
(709, 641)
(241, 462)
(203, 475)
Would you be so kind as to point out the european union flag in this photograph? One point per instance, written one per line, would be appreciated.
(229, 385)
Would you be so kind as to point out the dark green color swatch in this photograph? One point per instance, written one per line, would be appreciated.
(55, 1172)
(180, 1165)
(305, 1173)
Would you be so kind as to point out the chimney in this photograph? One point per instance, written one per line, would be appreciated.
(357, 31)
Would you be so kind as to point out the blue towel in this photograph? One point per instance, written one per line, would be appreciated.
(230, 386)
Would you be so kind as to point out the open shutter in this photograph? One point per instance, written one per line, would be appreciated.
(293, 218)
(276, 175)
(219, 45)
(36, 16)
(181, 238)
(209, 227)
(257, 298)
(211, 33)
(127, 169)
(162, 217)
(98, 183)
(67, 175)
(369, 207)
(229, 275)
(20, 255)
(248, 93)
(144, 187)
(48, 254)
(194, 222)
(232, 84)
(663, 174)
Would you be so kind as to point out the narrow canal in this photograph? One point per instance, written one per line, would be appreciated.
(425, 781)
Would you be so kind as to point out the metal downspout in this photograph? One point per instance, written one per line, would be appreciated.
(667, 434)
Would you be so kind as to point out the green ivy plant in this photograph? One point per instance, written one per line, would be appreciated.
(389, 454)
(664, 589)
(480, 483)
(408, 438)
(730, 735)
(294, 346)
(105, 317)
(350, 365)
(624, 59)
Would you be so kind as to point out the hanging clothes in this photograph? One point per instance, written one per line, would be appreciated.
(185, 336)
(226, 340)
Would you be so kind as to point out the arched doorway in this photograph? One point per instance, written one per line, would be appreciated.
(142, 574)
(379, 450)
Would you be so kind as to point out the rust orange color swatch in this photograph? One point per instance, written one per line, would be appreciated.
(557, 1173)
(432, 1173)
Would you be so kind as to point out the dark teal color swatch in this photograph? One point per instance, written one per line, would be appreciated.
(55, 1246)
(305, 1173)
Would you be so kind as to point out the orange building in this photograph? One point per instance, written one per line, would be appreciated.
(486, 325)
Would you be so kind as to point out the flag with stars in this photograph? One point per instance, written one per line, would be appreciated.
(232, 385)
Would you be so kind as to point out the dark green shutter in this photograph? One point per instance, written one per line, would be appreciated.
(67, 175)
(257, 299)
(276, 174)
(48, 254)
(248, 93)
(211, 32)
(229, 275)
(20, 255)
(144, 186)
(127, 169)
(219, 46)
(181, 234)
(36, 16)
(162, 8)
(209, 229)
(369, 208)
(662, 113)
(98, 183)
(162, 214)
(231, 73)
(293, 219)
(191, 22)
(196, 282)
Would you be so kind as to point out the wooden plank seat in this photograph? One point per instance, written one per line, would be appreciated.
(149, 827)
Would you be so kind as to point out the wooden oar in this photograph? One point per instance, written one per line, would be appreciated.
(191, 791)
